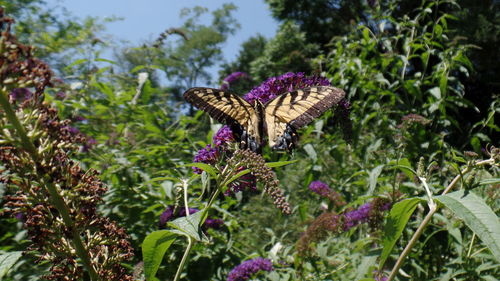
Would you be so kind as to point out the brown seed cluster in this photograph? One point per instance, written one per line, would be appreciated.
(167, 32)
(257, 166)
(27, 175)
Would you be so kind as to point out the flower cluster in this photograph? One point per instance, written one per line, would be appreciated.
(324, 190)
(320, 188)
(231, 78)
(55, 198)
(330, 222)
(171, 213)
(207, 155)
(287, 82)
(223, 137)
(247, 268)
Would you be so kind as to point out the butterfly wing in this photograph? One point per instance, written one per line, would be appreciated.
(291, 111)
(230, 109)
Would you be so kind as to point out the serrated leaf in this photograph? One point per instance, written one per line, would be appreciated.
(190, 225)
(154, 247)
(396, 222)
(477, 215)
(7, 260)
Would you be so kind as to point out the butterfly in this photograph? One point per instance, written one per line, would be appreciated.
(279, 118)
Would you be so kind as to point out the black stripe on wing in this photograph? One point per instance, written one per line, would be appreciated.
(302, 106)
(221, 105)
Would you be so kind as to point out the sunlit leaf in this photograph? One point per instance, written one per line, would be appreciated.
(154, 247)
(477, 215)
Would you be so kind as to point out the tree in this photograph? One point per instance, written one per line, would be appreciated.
(186, 62)
(288, 51)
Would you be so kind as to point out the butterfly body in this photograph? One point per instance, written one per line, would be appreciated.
(279, 118)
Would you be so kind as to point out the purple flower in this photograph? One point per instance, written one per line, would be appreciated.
(379, 276)
(60, 95)
(363, 213)
(20, 94)
(247, 181)
(169, 215)
(207, 155)
(166, 216)
(232, 78)
(320, 188)
(287, 82)
(213, 223)
(358, 216)
(245, 270)
(89, 144)
(223, 136)
(79, 118)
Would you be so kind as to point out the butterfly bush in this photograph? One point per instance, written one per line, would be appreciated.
(331, 222)
(246, 269)
(56, 199)
(170, 214)
(287, 82)
(231, 78)
(320, 188)
(324, 190)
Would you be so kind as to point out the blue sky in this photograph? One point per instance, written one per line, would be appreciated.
(146, 19)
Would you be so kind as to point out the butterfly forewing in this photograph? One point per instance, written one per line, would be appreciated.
(293, 110)
(229, 109)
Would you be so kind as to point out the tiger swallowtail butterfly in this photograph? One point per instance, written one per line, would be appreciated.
(279, 118)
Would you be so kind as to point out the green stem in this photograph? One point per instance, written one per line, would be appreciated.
(55, 197)
(433, 209)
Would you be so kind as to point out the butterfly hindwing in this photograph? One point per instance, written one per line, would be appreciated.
(291, 111)
(229, 109)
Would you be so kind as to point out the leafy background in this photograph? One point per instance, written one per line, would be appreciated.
(435, 59)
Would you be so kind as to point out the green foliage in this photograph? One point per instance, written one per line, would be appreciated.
(288, 51)
(409, 76)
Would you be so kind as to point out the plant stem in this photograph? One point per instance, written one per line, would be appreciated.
(55, 197)
(432, 210)
(191, 242)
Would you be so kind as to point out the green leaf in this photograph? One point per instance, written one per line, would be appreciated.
(396, 222)
(237, 176)
(7, 260)
(190, 225)
(490, 181)
(77, 62)
(478, 216)
(154, 247)
(105, 60)
(405, 166)
(205, 167)
(280, 163)
(436, 92)
(373, 178)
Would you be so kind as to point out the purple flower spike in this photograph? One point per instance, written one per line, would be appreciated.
(320, 188)
(231, 78)
(361, 215)
(245, 270)
(207, 155)
(287, 82)
(223, 136)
